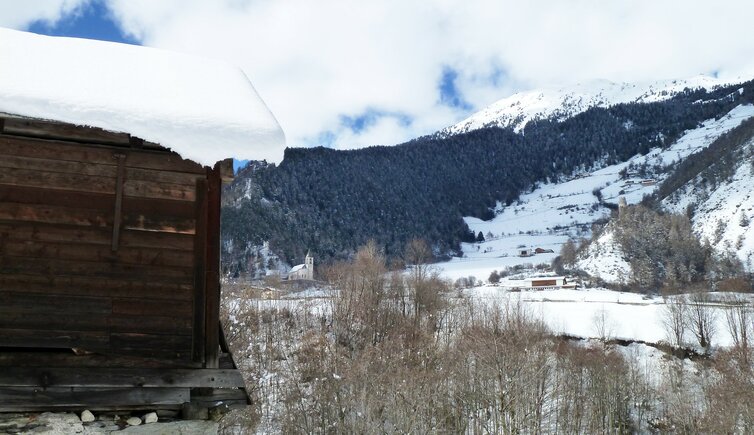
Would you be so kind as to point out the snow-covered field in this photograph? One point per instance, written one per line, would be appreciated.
(480, 259)
(593, 313)
(601, 313)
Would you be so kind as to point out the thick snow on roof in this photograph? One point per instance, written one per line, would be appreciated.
(297, 268)
(203, 109)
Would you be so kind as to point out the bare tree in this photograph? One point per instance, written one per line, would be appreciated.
(701, 318)
(602, 325)
(675, 319)
(739, 321)
(568, 253)
(417, 255)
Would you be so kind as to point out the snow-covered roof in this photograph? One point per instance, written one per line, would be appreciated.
(297, 268)
(203, 109)
(539, 278)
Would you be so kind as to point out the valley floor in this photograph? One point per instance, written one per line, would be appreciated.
(605, 314)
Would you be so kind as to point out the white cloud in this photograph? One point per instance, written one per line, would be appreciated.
(21, 13)
(316, 61)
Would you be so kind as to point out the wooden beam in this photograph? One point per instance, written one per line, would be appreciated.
(67, 359)
(97, 169)
(135, 142)
(212, 324)
(226, 171)
(231, 398)
(117, 216)
(53, 339)
(95, 184)
(59, 130)
(94, 154)
(137, 288)
(53, 398)
(158, 208)
(13, 247)
(45, 377)
(200, 270)
(116, 271)
(117, 323)
(11, 302)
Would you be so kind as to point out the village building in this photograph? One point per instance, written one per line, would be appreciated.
(547, 282)
(112, 160)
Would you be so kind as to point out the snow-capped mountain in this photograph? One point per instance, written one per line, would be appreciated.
(563, 102)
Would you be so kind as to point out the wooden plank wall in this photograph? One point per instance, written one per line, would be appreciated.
(65, 282)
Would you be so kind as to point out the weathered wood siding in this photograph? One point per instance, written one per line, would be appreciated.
(543, 282)
(101, 258)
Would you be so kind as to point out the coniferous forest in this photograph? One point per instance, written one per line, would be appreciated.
(332, 201)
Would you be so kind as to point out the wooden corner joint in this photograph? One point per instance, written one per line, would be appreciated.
(225, 167)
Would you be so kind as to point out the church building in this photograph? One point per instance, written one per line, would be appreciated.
(303, 271)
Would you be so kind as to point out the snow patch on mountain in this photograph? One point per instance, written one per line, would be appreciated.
(564, 102)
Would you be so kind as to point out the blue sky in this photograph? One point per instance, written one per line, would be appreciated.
(352, 74)
(92, 22)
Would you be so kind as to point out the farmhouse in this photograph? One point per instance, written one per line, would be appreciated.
(112, 159)
(544, 282)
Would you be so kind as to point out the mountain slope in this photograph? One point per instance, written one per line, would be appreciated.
(714, 186)
(333, 201)
(553, 212)
(564, 102)
(719, 193)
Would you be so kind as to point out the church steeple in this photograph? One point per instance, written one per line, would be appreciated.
(309, 262)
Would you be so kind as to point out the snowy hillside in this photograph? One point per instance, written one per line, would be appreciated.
(563, 102)
(604, 259)
(723, 212)
(551, 213)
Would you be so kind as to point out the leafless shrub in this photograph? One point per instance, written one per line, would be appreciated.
(730, 395)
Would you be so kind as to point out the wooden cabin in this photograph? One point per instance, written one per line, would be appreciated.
(109, 272)
(109, 247)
